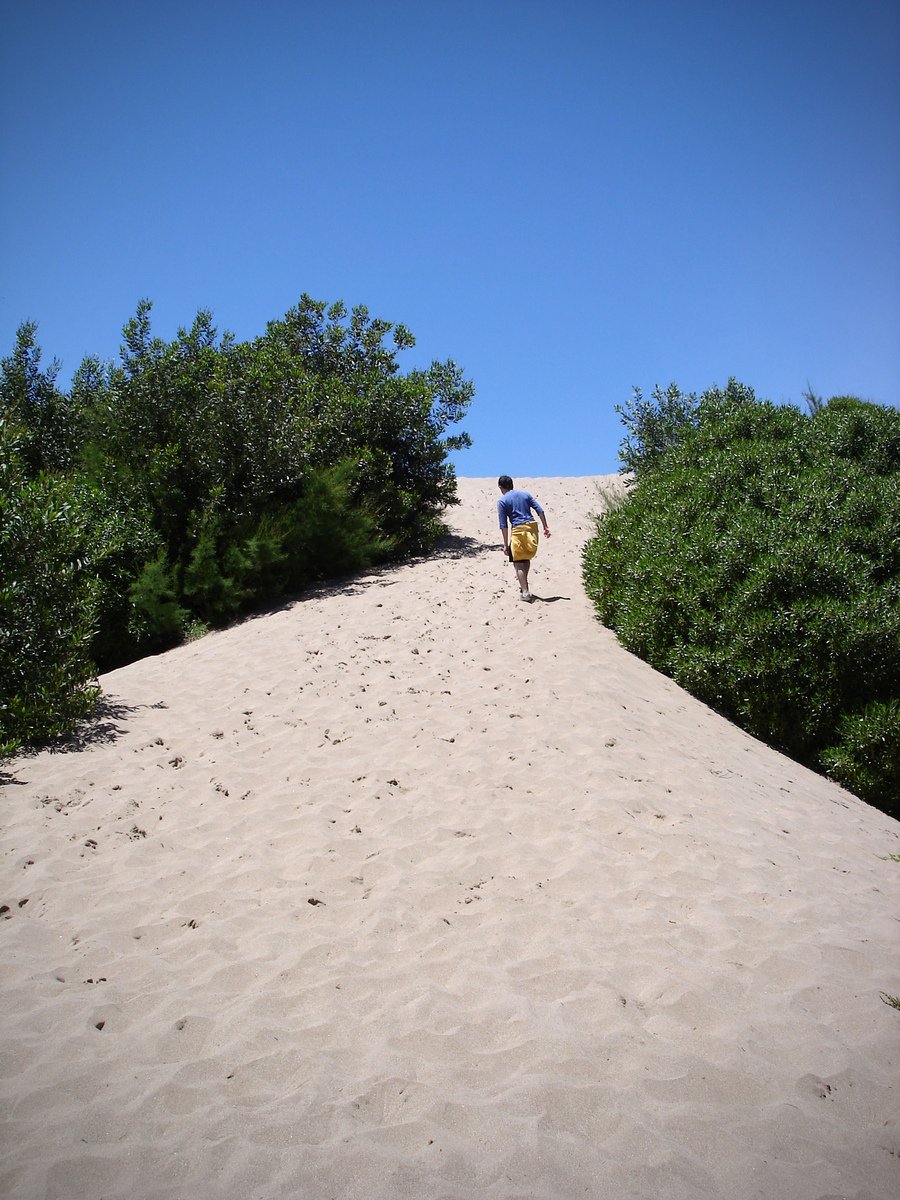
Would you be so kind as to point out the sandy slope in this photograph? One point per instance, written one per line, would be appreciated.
(410, 889)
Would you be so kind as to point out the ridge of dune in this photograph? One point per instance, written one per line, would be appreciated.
(406, 889)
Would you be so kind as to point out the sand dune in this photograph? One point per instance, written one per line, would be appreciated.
(409, 889)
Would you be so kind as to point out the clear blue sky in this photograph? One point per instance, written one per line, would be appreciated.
(567, 198)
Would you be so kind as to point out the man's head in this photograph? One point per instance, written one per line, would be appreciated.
(505, 484)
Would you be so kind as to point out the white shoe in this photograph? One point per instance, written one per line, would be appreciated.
(526, 596)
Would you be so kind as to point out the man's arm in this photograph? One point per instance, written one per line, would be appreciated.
(504, 525)
(540, 512)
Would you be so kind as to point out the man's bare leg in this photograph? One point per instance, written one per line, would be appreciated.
(522, 574)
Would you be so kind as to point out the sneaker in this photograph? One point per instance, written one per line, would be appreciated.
(526, 596)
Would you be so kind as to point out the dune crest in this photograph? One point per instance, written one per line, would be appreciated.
(409, 889)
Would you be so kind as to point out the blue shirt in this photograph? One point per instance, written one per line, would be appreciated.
(516, 507)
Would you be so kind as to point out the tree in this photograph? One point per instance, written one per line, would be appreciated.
(654, 425)
(199, 476)
(31, 403)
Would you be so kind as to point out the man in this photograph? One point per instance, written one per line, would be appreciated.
(519, 529)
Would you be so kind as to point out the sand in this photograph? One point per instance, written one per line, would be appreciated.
(409, 889)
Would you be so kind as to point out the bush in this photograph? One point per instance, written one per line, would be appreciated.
(156, 619)
(866, 759)
(330, 532)
(46, 605)
(119, 539)
(654, 425)
(757, 564)
(46, 420)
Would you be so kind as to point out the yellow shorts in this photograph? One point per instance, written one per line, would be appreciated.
(523, 541)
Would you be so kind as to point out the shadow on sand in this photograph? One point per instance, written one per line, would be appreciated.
(454, 545)
(103, 726)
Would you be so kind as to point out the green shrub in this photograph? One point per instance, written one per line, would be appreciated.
(757, 564)
(654, 425)
(326, 532)
(119, 540)
(156, 618)
(46, 419)
(866, 759)
(46, 604)
(333, 531)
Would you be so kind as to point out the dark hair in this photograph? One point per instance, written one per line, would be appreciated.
(505, 483)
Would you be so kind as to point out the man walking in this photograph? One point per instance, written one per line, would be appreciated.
(519, 529)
